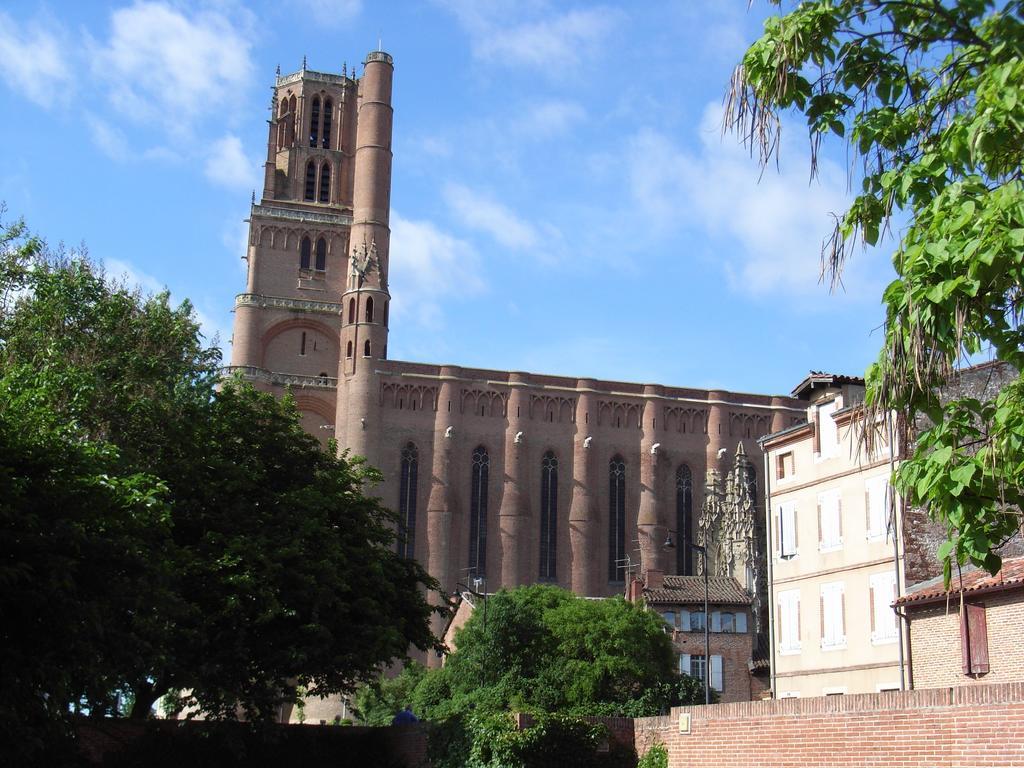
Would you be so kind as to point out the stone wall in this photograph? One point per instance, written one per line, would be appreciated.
(959, 728)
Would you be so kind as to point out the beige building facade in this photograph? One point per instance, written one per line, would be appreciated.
(504, 476)
(836, 553)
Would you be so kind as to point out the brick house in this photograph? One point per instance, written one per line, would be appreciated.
(970, 634)
(680, 602)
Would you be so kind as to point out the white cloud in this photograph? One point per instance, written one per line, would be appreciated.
(435, 267)
(332, 12)
(32, 62)
(489, 216)
(550, 43)
(768, 233)
(549, 119)
(167, 67)
(110, 139)
(228, 166)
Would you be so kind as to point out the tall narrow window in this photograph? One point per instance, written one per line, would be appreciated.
(684, 520)
(351, 310)
(369, 309)
(282, 124)
(310, 181)
(328, 110)
(321, 254)
(366, 348)
(617, 519)
(407, 502)
(348, 353)
(304, 253)
(548, 514)
(325, 183)
(291, 121)
(478, 512)
(302, 346)
(314, 123)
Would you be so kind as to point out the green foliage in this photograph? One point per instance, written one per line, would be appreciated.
(655, 757)
(542, 649)
(931, 96)
(549, 741)
(377, 702)
(158, 533)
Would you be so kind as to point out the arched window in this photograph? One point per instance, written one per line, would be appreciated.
(407, 502)
(349, 352)
(369, 309)
(684, 520)
(548, 514)
(366, 348)
(304, 253)
(321, 254)
(616, 519)
(310, 180)
(314, 123)
(351, 310)
(328, 109)
(282, 128)
(478, 513)
(291, 121)
(325, 183)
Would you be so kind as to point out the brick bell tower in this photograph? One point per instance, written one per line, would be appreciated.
(314, 312)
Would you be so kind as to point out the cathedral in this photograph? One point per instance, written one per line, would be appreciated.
(499, 478)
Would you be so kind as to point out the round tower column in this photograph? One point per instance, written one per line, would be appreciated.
(441, 528)
(583, 521)
(364, 335)
(513, 514)
(651, 527)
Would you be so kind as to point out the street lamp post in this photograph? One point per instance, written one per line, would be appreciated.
(669, 544)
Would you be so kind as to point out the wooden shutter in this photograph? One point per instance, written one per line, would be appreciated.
(839, 518)
(974, 639)
(684, 620)
(716, 621)
(716, 673)
(821, 525)
(873, 606)
(741, 622)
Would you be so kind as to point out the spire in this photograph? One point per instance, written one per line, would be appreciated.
(278, 70)
(303, 62)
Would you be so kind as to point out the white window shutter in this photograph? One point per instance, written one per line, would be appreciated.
(788, 514)
(684, 663)
(684, 620)
(716, 673)
(716, 621)
(741, 622)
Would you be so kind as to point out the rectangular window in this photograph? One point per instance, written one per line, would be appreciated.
(693, 665)
(828, 434)
(788, 621)
(882, 590)
(784, 466)
(876, 498)
(787, 530)
(974, 639)
(833, 624)
(696, 621)
(830, 522)
(669, 617)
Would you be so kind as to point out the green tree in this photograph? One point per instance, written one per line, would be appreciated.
(543, 649)
(377, 702)
(931, 97)
(164, 532)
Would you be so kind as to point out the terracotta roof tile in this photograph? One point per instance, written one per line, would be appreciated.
(722, 590)
(974, 580)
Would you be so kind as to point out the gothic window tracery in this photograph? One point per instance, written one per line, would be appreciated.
(478, 512)
(548, 514)
(616, 519)
(314, 123)
(328, 110)
(684, 520)
(407, 502)
(321, 254)
(310, 192)
(325, 183)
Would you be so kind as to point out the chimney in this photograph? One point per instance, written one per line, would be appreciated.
(655, 579)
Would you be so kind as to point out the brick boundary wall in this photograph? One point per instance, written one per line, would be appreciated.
(403, 744)
(967, 727)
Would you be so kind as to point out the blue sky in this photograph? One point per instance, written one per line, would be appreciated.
(563, 200)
